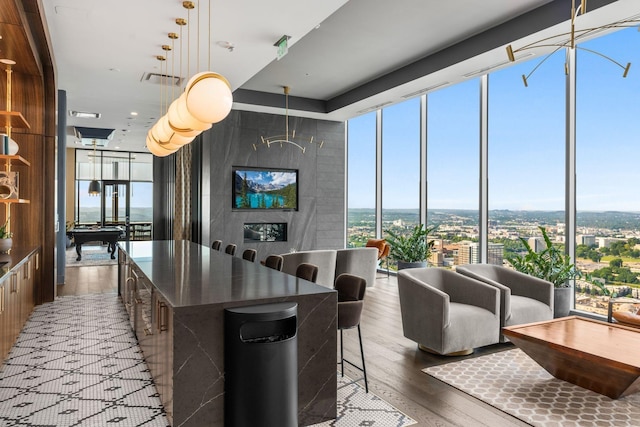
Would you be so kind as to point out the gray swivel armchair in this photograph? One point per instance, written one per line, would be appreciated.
(523, 298)
(447, 313)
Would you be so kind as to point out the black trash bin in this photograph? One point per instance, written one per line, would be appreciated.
(261, 365)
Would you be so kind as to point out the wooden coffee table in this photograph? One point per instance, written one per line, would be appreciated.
(599, 356)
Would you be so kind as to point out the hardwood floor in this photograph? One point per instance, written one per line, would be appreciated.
(394, 363)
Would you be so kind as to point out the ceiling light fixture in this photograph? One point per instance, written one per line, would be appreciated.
(286, 139)
(206, 99)
(560, 41)
(94, 185)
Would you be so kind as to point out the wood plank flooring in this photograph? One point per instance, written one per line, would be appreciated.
(394, 363)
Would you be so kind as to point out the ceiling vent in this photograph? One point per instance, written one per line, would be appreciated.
(425, 90)
(87, 136)
(375, 107)
(162, 79)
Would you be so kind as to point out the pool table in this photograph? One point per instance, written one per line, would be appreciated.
(109, 235)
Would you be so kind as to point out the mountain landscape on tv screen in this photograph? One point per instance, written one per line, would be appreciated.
(265, 190)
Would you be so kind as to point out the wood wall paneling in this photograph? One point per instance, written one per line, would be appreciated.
(34, 95)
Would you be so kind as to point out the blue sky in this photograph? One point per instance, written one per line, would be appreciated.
(526, 138)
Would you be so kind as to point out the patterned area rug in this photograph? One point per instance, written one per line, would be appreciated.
(356, 408)
(91, 256)
(77, 363)
(512, 382)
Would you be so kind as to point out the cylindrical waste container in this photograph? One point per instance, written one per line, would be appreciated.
(261, 365)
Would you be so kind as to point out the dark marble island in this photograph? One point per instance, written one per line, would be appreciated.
(175, 293)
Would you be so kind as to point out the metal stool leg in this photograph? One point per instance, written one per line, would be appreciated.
(364, 368)
(341, 354)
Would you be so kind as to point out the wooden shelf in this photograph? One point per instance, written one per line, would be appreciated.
(10, 201)
(13, 119)
(14, 159)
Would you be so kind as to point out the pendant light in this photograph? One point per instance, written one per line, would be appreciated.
(94, 185)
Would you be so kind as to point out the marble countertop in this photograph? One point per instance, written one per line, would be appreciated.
(17, 254)
(188, 274)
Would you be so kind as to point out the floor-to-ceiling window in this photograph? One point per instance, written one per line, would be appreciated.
(87, 206)
(453, 149)
(401, 167)
(607, 173)
(526, 156)
(361, 187)
(126, 190)
(527, 177)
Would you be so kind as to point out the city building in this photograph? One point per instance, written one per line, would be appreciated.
(586, 239)
(537, 244)
(469, 253)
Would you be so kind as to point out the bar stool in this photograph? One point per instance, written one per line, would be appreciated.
(307, 272)
(216, 245)
(249, 255)
(351, 291)
(230, 249)
(274, 261)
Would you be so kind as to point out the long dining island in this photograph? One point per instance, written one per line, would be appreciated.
(176, 292)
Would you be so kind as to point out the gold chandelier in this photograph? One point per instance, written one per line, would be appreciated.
(207, 99)
(286, 138)
(569, 40)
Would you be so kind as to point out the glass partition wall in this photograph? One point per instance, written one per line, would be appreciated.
(126, 192)
(528, 149)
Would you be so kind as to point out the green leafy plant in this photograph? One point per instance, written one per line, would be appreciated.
(413, 247)
(551, 264)
(4, 234)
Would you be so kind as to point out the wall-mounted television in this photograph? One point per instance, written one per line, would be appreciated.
(265, 188)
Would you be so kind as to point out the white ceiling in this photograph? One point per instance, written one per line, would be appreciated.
(344, 56)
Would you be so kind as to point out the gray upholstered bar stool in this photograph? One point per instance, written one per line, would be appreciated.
(230, 249)
(249, 255)
(351, 291)
(216, 245)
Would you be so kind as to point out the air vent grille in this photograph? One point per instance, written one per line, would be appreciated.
(425, 90)
(162, 79)
(375, 107)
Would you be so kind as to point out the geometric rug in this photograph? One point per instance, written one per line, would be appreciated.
(514, 383)
(357, 408)
(77, 363)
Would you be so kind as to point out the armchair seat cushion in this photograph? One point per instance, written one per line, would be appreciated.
(468, 328)
(527, 310)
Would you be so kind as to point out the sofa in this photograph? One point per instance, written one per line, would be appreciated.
(331, 263)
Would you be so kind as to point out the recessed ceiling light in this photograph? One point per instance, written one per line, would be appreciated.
(84, 114)
(134, 113)
(117, 147)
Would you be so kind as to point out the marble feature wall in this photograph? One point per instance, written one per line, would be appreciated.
(319, 222)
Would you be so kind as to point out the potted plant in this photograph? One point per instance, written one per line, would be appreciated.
(5, 238)
(553, 265)
(412, 250)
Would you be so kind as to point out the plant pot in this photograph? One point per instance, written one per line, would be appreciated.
(5, 245)
(561, 302)
(419, 264)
